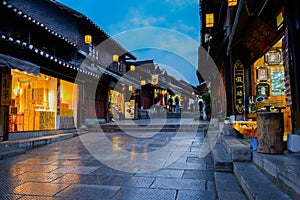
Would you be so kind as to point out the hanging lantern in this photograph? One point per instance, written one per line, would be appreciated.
(132, 68)
(209, 20)
(115, 58)
(130, 88)
(232, 3)
(88, 39)
(143, 82)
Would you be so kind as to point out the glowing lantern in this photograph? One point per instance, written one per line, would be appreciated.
(232, 3)
(143, 82)
(209, 20)
(115, 58)
(132, 68)
(130, 88)
(88, 39)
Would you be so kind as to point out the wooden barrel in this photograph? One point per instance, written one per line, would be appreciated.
(270, 130)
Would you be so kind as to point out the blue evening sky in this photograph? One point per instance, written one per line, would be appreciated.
(174, 30)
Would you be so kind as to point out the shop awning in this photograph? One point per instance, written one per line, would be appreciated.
(15, 63)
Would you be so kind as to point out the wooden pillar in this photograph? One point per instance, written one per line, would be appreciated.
(270, 130)
(292, 8)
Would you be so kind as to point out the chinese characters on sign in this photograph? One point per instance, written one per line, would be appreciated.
(6, 89)
(154, 80)
(239, 87)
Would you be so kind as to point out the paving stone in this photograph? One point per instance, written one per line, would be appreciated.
(178, 184)
(8, 186)
(89, 192)
(75, 169)
(195, 195)
(192, 166)
(210, 186)
(117, 179)
(9, 196)
(82, 179)
(33, 197)
(36, 167)
(38, 176)
(168, 173)
(144, 182)
(198, 174)
(35, 188)
(144, 194)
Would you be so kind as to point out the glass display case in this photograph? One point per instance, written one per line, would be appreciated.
(278, 83)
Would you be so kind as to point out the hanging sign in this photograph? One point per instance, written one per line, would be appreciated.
(6, 89)
(259, 38)
(239, 87)
(154, 80)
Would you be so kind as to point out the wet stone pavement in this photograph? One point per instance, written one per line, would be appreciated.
(67, 170)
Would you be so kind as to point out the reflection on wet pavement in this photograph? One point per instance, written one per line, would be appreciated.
(67, 170)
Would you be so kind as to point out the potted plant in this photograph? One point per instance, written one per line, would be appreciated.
(226, 120)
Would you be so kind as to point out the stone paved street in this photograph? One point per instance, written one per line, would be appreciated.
(67, 170)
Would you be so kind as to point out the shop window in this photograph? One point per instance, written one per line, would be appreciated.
(68, 104)
(278, 83)
(33, 105)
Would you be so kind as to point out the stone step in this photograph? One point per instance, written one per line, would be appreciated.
(255, 184)
(35, 134)
(36, 142)
(222, 161)
(149, 128)
(238, 149)
(9, 152)
(282, 169)
(227, 187)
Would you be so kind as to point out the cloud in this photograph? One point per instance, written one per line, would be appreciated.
(181, 3)
(136, 19)
(182, 27)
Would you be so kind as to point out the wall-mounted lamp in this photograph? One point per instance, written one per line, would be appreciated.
(115, 58)
(132, 68)
(209, 20)
(232, 3)
(88, 39)
(143, 82)
(130, 88)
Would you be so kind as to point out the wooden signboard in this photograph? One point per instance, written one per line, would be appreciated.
(6, 89)
(259, 38)
(239, 87)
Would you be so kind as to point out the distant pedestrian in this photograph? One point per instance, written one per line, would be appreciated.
(170, 102)
(177, 104)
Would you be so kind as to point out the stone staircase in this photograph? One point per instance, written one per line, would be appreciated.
(258, 176)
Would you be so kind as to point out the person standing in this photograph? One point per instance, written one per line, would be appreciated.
(170, 102)
(177, 104)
